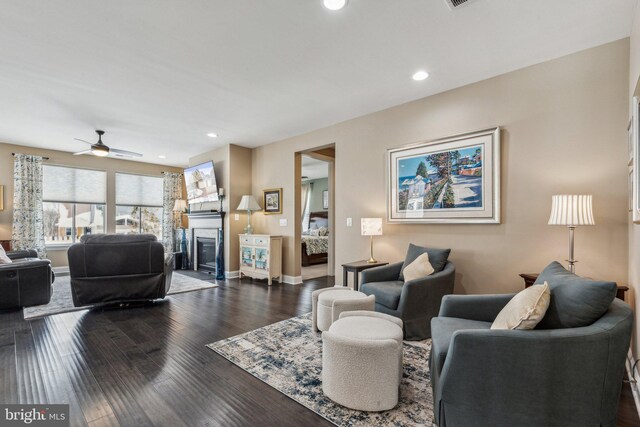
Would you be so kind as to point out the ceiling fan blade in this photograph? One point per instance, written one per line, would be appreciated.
(82, 140)
(79, 153)
(124, 153)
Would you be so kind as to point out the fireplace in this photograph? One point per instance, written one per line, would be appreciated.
(206, 243)
(206, 257)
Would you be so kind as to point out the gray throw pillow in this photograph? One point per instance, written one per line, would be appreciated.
(437, 257)
(575, 301)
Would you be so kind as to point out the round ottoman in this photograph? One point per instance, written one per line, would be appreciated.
(328, 303)
(362, 361)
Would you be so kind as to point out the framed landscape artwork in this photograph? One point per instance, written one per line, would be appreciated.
(272, 201)
(454, 180)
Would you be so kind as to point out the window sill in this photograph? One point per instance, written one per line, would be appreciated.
(62, 247)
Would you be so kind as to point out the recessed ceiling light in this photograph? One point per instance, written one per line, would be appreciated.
(212, 135)
(334, 4)
(162, 157)
(420, 75)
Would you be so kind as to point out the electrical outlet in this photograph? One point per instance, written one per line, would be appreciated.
(236, 217)
(349, 222)
(283, 222)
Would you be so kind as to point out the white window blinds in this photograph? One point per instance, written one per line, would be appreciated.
(72, 185)
(138, 190)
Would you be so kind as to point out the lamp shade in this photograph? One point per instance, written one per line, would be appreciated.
(248, 203)
(572, 210)
(371, 226)
(180, 205)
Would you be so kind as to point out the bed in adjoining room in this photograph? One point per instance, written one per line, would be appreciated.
(315, 241)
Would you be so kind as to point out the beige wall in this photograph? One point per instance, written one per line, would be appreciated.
(111, 166)
(564, 131)
(634, 230)
(240, 178)
(232, 165)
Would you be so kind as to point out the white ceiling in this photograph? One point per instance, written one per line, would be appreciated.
(159, 75)
(314, 168)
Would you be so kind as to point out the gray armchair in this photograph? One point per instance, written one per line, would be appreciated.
(415, 301)
(25, 282)
(113, 268)
(551, 377)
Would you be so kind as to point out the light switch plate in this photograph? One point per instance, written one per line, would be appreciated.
(349, 222)
(236, 217)
(283, 222)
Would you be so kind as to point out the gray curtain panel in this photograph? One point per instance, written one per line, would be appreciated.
(172, 192)
(28, 227)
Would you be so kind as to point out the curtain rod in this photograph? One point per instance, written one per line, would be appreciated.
(44, 158)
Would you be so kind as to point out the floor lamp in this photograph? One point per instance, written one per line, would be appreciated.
(571, 211)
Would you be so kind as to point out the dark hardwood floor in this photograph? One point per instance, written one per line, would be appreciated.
(148, 365)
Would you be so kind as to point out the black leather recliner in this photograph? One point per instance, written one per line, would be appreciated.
(25, 282)
(114, 268)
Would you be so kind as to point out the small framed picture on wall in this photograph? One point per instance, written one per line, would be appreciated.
(272, 201)
(325, 199)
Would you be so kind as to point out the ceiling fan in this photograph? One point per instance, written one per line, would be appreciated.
(101, 150)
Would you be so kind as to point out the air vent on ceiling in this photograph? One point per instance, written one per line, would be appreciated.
(453, 4)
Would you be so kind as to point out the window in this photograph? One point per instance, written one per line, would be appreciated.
(139, 204)
(73, 203)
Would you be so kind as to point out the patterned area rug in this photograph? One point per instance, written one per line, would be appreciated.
(62, 302)
(288, 356)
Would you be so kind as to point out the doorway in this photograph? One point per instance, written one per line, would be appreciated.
(316, 183)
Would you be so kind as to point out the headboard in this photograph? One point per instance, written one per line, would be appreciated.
(318, 219)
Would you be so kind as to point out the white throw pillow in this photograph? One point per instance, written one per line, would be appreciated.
(525, 310)
(4, 259)
(419, 268)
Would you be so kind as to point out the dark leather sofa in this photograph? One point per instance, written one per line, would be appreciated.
(25, 282)
(116, 268)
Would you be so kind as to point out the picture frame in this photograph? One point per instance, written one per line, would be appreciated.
(272, 201)
(634, 136)
(452, 180)
(325, 199)
(631, 188)
(631, 141)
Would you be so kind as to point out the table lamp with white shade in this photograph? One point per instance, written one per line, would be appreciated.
(371, 227)
(572, 210)
(179, 207)
(248, 203)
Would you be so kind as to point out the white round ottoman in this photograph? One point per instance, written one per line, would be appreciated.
(362, 361)
(328, 303)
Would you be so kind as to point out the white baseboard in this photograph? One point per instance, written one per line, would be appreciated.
(635, 389)
(61, 271)
(232, 274)
(292, 280)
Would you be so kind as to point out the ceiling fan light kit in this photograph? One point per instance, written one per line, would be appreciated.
(101, 150)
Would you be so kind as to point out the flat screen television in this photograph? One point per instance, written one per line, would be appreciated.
(201, 183)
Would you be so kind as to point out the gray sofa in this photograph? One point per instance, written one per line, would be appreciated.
(416, 302)
(567, 376)
(25, 282)
(114, 268)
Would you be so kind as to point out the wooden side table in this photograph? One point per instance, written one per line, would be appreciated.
(356, 268)
(6, 244)
(529, 279)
